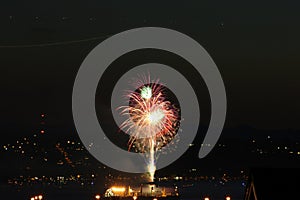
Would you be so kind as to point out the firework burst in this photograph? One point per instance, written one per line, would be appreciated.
(151, 121)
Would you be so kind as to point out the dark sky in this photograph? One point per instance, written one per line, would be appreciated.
(255, 45)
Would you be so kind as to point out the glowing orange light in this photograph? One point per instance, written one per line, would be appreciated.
(118, 189)
(228, 198)
(206, 198)
(97, 196)
(42, 131)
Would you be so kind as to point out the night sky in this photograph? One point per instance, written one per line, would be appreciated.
(254, 44)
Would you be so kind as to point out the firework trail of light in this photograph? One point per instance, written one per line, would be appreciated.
(151, 165)
(151, 120)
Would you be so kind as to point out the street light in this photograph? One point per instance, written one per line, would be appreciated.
(228, 198)
(97, 196)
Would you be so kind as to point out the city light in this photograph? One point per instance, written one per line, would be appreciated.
(38, 197)
(31, 146)
(118, 189)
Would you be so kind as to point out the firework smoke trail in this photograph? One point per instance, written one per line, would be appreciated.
(151, 120)
(151, 165)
